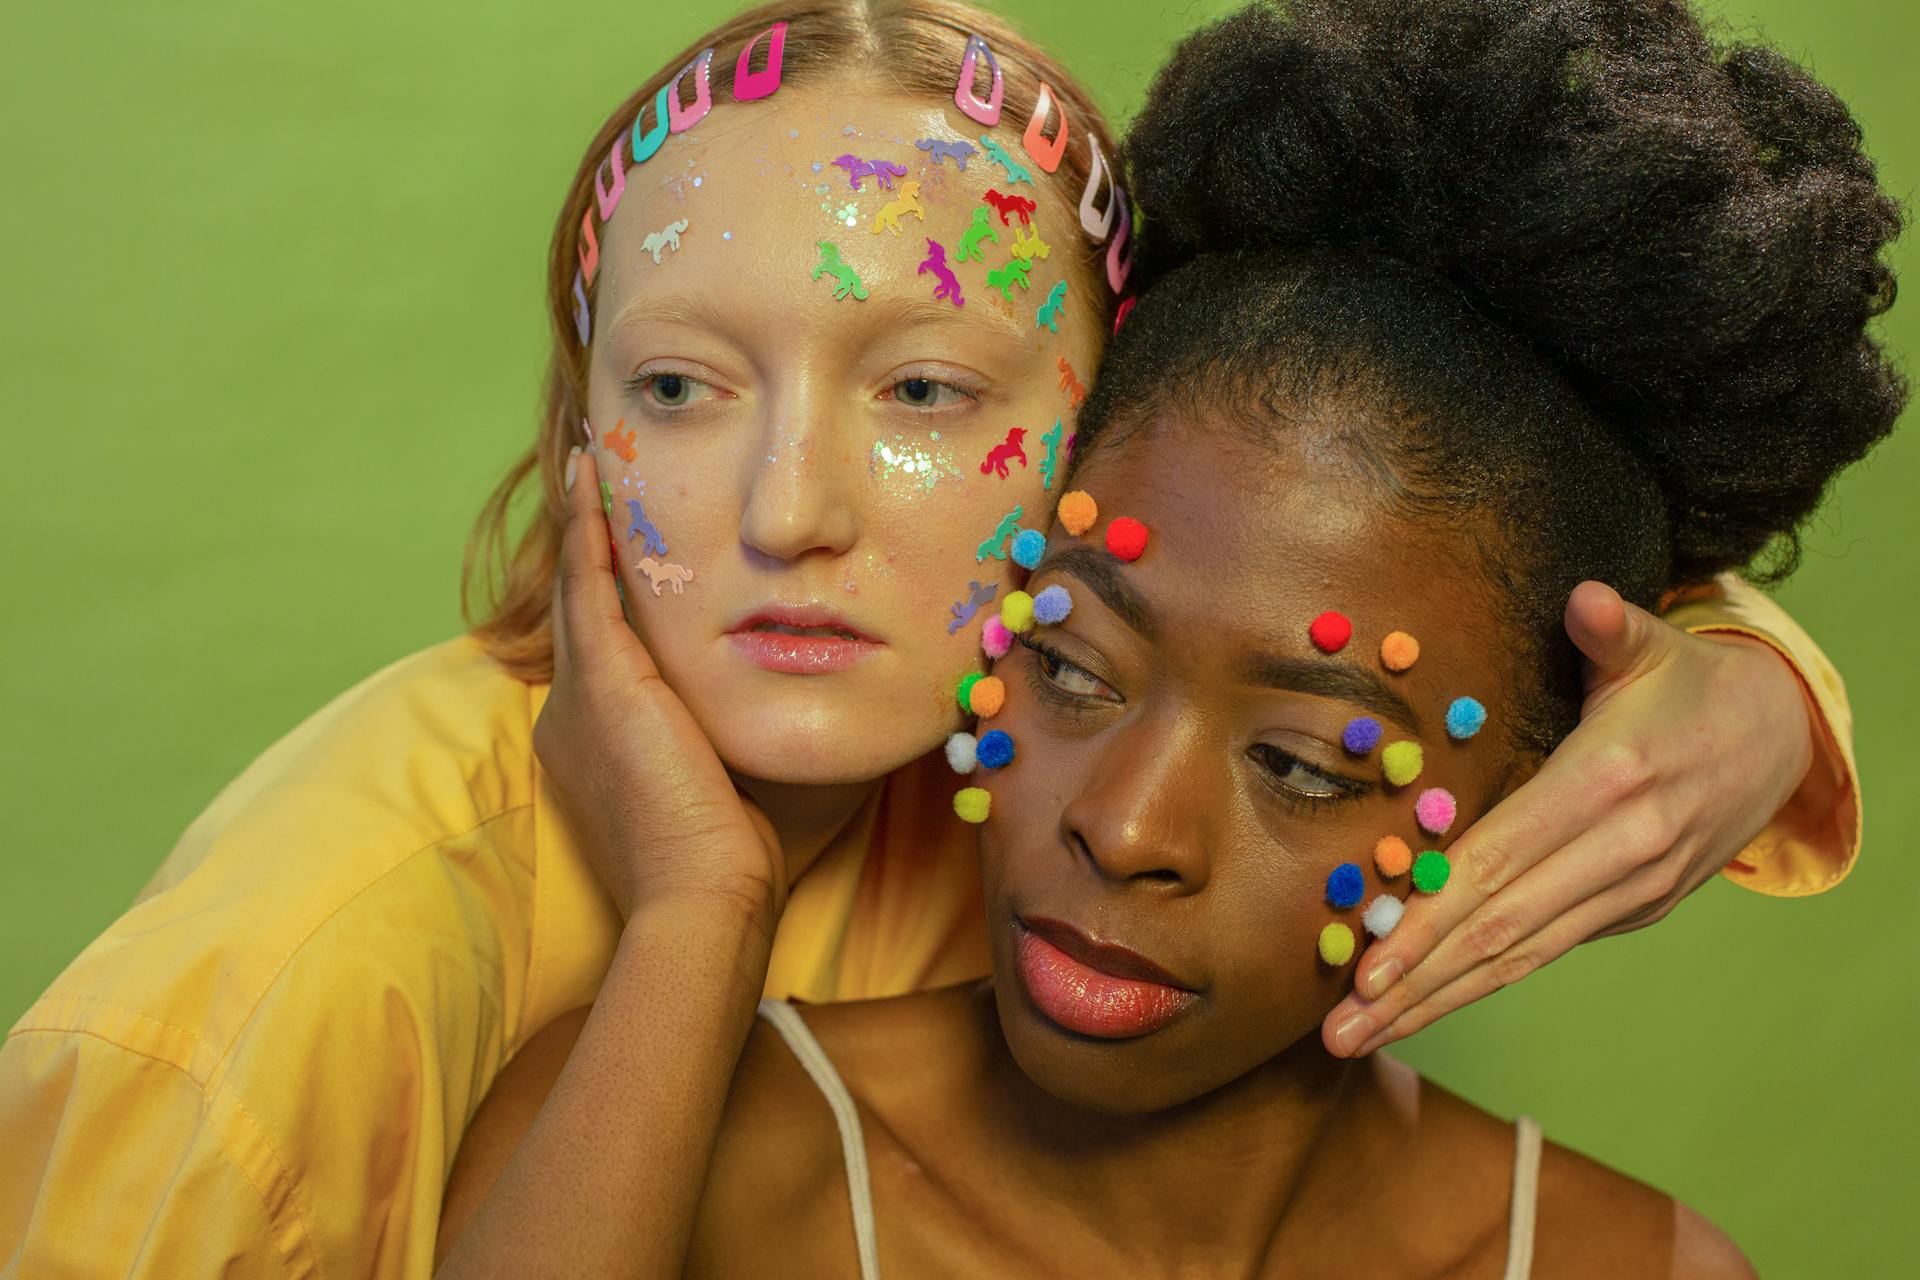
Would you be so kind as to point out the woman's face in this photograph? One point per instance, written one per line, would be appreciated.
(1180, 787)
(802, 465)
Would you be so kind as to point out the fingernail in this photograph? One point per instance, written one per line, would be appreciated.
(573, 464)
(1381, 977)
(1348, 1035)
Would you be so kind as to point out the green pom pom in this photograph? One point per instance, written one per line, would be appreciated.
(1402, 761)
(1430, 871)
(972, 803)
(964, 690)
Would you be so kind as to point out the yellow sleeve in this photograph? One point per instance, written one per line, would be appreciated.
(1814, 839)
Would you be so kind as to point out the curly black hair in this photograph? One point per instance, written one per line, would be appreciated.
(1584, 273)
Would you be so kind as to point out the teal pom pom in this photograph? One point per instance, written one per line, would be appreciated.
(1465, 718)
(1028, 546)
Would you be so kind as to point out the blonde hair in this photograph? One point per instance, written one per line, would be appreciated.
(909, 46)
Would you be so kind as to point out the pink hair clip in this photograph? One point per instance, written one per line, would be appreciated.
(987, 112)
(1046, 155)
(701, 68)
(605, 196)
(749, 85)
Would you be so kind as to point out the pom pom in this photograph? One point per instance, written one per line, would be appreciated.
(1382, 914)
(995, 638)
(1330, 632)
(1434, 810)
(1430, 871)
(1052, 605)
(1028, 546)
(972, 803)
(1361, 735)
(1399, 651)
(1077, 511)
(1465, 717)
(962, 752)
(1402, 761)
(996, 749)
(1346, 885)
(1336, 944)
(964, 690)
(1127, 538)
(989, 694)
(1392, 856)
(1016, 612)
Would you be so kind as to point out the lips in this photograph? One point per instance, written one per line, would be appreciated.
(803, 621)
(1073, 981)
(802, 640)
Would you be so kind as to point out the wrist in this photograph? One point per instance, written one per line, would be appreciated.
(1790, 689)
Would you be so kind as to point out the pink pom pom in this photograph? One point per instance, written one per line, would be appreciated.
(995, 638)
(1434, 810)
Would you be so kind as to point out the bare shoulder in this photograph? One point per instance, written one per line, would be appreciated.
(1596, 1221)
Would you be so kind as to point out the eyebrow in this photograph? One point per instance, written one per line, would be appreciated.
(1099, 572)
(1336, 680)
(891, 311)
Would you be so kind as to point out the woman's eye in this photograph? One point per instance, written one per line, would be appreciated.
(1068, 678)
(928, 393)
(668, 390)
(1300, 778)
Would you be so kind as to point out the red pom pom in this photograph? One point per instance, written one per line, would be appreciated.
(1127, 538)
(1330, 632)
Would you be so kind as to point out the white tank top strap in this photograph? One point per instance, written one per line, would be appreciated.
(853, 1145)
(1526, 1188)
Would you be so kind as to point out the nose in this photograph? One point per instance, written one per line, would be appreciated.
(1142, 815)
(799, 492)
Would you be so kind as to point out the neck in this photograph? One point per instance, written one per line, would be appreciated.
(1229, 1176)
(807, 818)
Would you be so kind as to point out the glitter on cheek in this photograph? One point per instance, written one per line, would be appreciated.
(726, 235)
(913, 459)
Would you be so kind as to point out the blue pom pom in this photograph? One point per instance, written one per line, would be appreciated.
(1362, 735)
(1052, 605)
(1028, 546)
(995, 750)
(1345, 887)
(1465, 718)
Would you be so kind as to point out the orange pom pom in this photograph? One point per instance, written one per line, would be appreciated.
(1078, 512)
(1399, 651)
(989, 694)
(1392, 856)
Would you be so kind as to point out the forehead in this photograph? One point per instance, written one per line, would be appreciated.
(1252, 540)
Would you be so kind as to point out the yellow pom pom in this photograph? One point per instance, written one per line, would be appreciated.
(1016, 612)
(1399, 651)
(1078, 512)
(1336, 944)
(972, 804)
(1402, 761)
(989, 694)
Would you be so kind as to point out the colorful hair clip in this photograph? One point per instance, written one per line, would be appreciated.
(846, 279)
(590, 247)
(701, 68)
(1048, 316)
(582, 315)
(1004, 204)
(964, 97)
(1012, 447)
(980, 229)
(1043, 153)
(1345, 885)
(1117, 270)
(1465, 717)
(963, 610)
(645, 144)
(1336, 944)
(1121, 312)
(1077, 512)
(1051, 607)
(1008, 274)
(948, 284)
(667, 237)
(1382, 914)
(1127, 538)
(1028, 546)
(658, 573)
(1008, 526)
(938, 149)
(1052, 440)
(996, 749)
(1095, 224)
(605, 197)
(1016, 172)
(907, 202)
(749, 85)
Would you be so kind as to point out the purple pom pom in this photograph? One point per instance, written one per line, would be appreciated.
(1362, 735)
(1052, 605)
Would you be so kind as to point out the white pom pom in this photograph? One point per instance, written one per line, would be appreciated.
(960, 752)
(1382, 914)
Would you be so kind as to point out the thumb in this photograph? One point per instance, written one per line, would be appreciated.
(1619, 639)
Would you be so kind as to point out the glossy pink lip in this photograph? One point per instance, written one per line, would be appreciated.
(1095, 988)
(779, 651)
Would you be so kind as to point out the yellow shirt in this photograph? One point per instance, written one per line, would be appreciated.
(265, 1066)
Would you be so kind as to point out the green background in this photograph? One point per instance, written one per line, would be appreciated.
(272, 327)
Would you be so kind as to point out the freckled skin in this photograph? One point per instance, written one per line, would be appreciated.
(765, 482)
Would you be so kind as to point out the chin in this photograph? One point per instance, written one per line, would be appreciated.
(815, 731)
